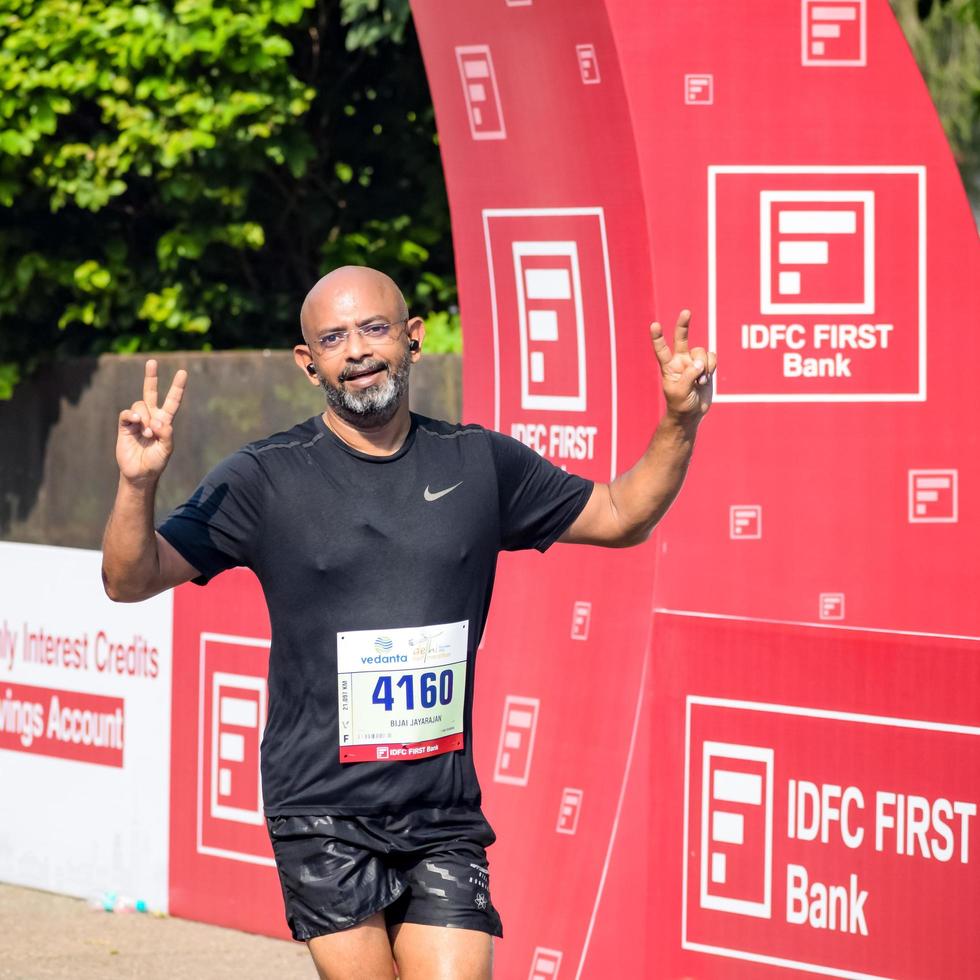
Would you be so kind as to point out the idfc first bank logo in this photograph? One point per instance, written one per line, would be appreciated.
(816, 283)
(232, 710)
(828, 841)
(554, 334)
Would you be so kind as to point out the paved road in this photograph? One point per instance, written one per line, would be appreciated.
(50, 937)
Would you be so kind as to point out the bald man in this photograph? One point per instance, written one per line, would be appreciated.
(375, 533)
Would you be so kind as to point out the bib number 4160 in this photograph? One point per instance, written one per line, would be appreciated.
(432, 687)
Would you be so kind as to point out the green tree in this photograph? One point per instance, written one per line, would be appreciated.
(944, 36)
(176, 174)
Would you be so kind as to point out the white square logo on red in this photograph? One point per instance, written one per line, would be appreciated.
(545, 964)
(831, 605)
(516, 745)
(816, 283)
(736, 828)
(581, 620)
(588, 66)
(745, 522)
(835, 34)
(699, 89)
(480, 92)
(569, 810)
(818, 252)
(232, 707)
(933, 496)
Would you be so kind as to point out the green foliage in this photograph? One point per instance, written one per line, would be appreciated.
(443, 334)
(371, 21)
(944, 36)
(177, 173)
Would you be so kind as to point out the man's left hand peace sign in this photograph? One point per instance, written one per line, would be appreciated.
(687, 375)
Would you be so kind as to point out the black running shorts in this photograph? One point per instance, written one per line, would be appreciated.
(425, 866)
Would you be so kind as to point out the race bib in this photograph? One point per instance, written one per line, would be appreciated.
(400, 693)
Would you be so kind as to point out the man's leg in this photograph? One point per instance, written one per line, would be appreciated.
(362, 952)
(441, 953)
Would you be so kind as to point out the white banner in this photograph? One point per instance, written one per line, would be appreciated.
(85, 688)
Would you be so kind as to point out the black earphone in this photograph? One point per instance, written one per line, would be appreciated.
(311, 370)
(413, 346)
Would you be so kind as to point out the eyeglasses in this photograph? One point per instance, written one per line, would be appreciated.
(373, 334)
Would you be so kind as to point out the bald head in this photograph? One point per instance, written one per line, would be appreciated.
(352, 293)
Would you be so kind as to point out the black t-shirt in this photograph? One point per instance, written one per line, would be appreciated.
(343, 542)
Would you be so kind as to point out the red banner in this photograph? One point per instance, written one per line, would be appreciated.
(219, 846)
(813, 823)
(62, 724)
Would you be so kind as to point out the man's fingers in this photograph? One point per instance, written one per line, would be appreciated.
(129, 419)
(174, 395)
(693, 373)
(699, 356)
(680, 332)
(659, 344)
(162, 428)
(150, 384)
(711, 360)
(140, 415)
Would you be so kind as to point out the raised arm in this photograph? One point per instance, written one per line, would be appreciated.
(136, 561)
(624, 512)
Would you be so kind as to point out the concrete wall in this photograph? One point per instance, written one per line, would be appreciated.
(57, 434)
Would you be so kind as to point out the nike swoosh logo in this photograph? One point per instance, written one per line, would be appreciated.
(430, 496)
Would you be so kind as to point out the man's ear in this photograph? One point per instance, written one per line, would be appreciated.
(304, 360)
(415, 328)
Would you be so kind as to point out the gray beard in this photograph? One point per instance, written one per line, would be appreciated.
(374, 406)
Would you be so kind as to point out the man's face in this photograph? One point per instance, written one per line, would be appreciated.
(358, 337)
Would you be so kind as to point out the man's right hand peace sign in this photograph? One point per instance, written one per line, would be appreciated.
(146, 434)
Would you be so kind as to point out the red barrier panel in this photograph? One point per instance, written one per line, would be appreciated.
(221, 866)
(797, 192)
(822, 788)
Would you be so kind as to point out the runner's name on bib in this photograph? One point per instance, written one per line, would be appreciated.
(400, 692)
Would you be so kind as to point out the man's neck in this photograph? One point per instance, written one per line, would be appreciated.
(382, 440)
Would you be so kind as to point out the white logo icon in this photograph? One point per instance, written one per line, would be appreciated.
(430, 495)
(569, 810)
(587, 64)
(237, 720)
(551, 320)
(736, 829)
(516, 744)
(481, 93)
(933, 496)
(581, 620)
(834, 33)
(820, 245)
(545, 964)
(232, 706)
(831, 605)
(699, 89)
(745, 522)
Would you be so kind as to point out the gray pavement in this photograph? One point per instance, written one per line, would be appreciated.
(51, 937)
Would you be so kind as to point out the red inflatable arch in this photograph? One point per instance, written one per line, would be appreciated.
(754, 742)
